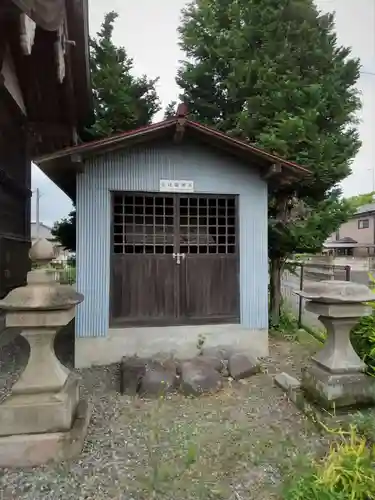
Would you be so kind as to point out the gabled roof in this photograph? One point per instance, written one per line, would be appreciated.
(61, 165)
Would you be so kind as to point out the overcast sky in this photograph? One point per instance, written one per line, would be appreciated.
(147, 29)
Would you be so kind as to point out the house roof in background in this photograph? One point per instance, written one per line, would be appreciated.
(346, 239)
(44, 231)
(345, 242)
(365, 209)
(62, 165)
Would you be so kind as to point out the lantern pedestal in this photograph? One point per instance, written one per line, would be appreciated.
(336, 376)
(43, 419)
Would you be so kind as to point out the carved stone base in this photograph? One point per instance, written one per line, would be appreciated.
(336, 390)
(42, 412)
(29, 450)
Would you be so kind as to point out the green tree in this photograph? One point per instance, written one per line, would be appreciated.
(362, 199)
(122, 102)
(65, 231)
(170, 110)
(272, 73)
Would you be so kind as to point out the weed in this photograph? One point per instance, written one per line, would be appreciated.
(287, 327)
(365, 423)
(345, 473)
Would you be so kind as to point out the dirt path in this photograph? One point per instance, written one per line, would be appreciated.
(238, 444)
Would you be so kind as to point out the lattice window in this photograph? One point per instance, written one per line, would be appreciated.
(159, 224)
(143, 224)
(208, 225)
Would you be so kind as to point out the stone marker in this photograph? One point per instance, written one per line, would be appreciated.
(43, 419)
(292, 387)
(336, 377)
(199, 378)
(287, 382)
(242, 366)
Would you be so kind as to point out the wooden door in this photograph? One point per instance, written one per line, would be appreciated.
(144, 274)
(174, 260)
(209, 268)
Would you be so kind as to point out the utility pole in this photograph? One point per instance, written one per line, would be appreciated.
(372, 170)
(37, 212)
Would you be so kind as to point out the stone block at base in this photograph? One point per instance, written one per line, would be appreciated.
(291, 386)
(29, 450)
(42, 412)
(337, 390)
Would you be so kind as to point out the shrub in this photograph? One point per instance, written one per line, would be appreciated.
(365, 423)
(345, 473)
(363, 338)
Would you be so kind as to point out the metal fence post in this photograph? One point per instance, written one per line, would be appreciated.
(347, 273)
(301, 276)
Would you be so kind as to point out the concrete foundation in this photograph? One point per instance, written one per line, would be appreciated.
(29, 450)
(181, 341)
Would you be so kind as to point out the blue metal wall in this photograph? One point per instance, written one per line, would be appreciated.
(141, 170)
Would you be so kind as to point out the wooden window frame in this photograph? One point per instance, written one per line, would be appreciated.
(363, 223)
(196, 223)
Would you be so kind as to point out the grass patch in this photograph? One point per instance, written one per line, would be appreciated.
(219, 446)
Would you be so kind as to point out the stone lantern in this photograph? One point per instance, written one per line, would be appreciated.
(336, 376)
(43, 419)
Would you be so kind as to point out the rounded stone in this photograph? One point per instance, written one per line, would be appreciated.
(336, 292)
(42, 251)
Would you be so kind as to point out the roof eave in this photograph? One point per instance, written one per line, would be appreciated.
(72, 159)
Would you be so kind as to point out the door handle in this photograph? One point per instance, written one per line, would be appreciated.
(178, 257)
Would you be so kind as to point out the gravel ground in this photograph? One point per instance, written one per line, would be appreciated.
(238, 444)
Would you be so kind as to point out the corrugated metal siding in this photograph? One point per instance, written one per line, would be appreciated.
(141, 170)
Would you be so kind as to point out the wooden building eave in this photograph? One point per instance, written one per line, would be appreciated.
(61, 166)
(56, 100)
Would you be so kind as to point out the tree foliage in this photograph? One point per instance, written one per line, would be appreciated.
(272, 73)
(170, 110)
(121, 102)
(65, 231)
(362, 199)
